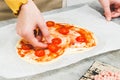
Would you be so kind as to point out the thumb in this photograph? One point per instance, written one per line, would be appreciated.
(45, 32)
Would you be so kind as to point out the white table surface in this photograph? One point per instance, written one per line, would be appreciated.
(74, 71)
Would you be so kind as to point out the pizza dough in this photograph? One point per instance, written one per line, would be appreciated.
(64, 36)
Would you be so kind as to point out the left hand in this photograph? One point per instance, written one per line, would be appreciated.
(111, 8)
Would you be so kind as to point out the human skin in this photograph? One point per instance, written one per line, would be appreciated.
(29, 18)
(111, 8)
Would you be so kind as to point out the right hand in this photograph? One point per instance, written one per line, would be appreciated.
(28, 18)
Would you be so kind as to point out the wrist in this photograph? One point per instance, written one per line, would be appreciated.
(27, 7)
(15, 5)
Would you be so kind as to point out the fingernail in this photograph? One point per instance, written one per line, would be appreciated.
(49, 40)
(108, 19)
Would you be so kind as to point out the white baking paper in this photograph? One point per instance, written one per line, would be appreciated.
(107, 34)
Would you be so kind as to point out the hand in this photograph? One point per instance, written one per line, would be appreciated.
(28, 19)
(111, 8)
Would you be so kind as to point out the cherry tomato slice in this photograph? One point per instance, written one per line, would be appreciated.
(53, 47)
(39, 53)
(80, 39)
(56, 40)
(50, 23)
(63, 30)
(26, 46)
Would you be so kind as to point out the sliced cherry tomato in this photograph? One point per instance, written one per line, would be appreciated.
(56, 41)
(50, 23)
(53, 47)
(63, 30)
(80, 39)
(26, 46)
(39, 53)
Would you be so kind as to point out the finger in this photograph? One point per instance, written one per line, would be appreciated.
(29, 36)
(115, 14)
(118, 10)
(39, 38)
(44, 30)
(106, 7)
(37, 43)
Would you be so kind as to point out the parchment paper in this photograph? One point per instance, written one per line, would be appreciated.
(107, 34)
